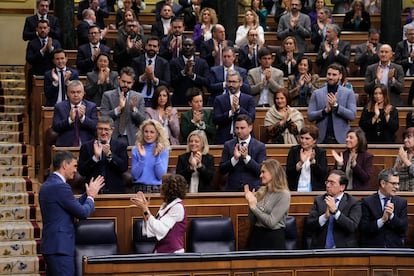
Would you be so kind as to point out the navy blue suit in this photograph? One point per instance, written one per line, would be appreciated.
(161, 71)
(30, 25)
(84, 62)
(242, 173)
(207, 48)
(59, 207)
(51, 91)
(392, 234)
(67, 131)
(181, 83)
(40, 63)
(111, 170)
(221, 117)
(217, 78)
(100, 14)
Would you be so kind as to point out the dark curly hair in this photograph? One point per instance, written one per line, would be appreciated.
(173, 186)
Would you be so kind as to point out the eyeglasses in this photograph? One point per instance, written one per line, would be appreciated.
(393, 183)
(330, 182)
(103, 129)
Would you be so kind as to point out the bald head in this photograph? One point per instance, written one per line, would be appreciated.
(385, 53)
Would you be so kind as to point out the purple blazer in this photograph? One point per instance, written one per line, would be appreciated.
(362, 171)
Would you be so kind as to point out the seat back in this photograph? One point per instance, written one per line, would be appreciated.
(291, 233)
(307, 235)
(142, 244)
(211, 235)
(94, 238)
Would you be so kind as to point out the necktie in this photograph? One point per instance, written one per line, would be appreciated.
(243, 143)
(95, 51)
(412, 64)
(76, 126)
(44, 42)
(385, 199)
(42, 17)
(62, 85)
(330, 241)
(255, 56)
(218, 60)
(331, 55)
(149, 82)
(123, 118)
(175, 48)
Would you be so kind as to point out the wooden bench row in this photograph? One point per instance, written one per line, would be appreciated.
(220, 204)
(384, 157)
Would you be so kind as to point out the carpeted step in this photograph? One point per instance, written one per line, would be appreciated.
(12, 75)
(13, 83)
(14, 171)
(12, 100)
(16, 199)
(12, 108)
(18, 248)
(12, 68)
(19, 265)
(15, 117)
(15, 213)
(15, 184)
(13, 159)
(12, 137)
(19, 231)
(13, 91)
(12, 148)
(10, 126)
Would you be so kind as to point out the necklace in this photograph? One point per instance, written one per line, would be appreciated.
(264, 203)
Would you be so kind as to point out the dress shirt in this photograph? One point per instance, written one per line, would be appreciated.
(323, 220)
(264, 93)
(380, 223)
(248, 157)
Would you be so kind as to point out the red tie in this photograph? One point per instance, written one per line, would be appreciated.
(76, 126)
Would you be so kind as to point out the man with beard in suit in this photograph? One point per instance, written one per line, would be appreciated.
(105, 156)
(30, 25)
(187, 71)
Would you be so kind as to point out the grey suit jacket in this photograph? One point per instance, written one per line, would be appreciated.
(300, 33)
(341, 115)
(254, 77)
(94, 91)
(110, 101)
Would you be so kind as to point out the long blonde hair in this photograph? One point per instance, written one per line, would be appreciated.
(162, 137)
(279, 179)
(255, 18)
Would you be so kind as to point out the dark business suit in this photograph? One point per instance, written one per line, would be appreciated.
(343, 58)
(51, 91)
(134, 118)
(242, 173)
(59, 207)
(221, 118)
(67, 131)
(318, 170)
(316, 37)
(157, 29)
(111, 170)
(216, 82)
(363, 26)
(401, 55)
(94, 91)
(245, 61)
(82, 31)
(206, 172)
(207, 48)
(165, 51)
(84, 62)
(344, 228)
(392, 233)
(40, 63)
(362, 171)
(122, 56)
(161, 71)
(395, 85)
(181, 83)
(30, 25)
(363, 58)
(101, 13)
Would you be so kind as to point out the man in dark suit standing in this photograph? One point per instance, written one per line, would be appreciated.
(75, 118)
(105, 156)
(384, 214)
(98, 6)
(334, 217)
(125, 106)
(367, 52)
(218, 75)
(57, 78)
(59, 207)
(39, 50)
(228, 106)
(87, 53)
(30, 25)
(187, 71)
(212, 50)
(162, 25)
(242, 157)
(151, 70)
(172, 44)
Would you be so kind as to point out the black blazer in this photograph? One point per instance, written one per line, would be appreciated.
(30, 25)
(392, 234)
(40, 63)
(364, 25)
(344, 228)
(51, 91)
(343, 58)
(182, 83)
(82, 31)
(318, 170)
(84, 63)
(206, 172)
(161, 71)
(111, 170)
(207, 48)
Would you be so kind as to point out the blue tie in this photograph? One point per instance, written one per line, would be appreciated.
(386, 199)
(330, 241)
